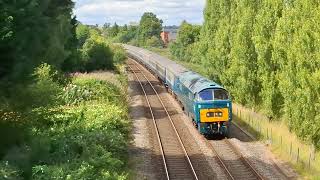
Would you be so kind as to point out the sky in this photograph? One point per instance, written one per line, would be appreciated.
(172, 12)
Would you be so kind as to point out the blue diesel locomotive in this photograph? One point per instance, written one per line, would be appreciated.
(205, 102)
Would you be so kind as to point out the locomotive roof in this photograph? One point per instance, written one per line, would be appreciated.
(194, 81)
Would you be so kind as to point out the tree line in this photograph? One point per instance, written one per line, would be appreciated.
(266, 53)
(145, 33)
(36, 32)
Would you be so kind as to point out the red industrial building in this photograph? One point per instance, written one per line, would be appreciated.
(165, 37)
(169, 34)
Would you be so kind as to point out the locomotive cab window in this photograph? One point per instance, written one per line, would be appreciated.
(220, 94)
(213, 94)
(206, 95)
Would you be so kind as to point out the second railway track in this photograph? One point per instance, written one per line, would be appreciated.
(231, 159)
(176, 161)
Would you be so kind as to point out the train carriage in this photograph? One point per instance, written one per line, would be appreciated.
(205, 102)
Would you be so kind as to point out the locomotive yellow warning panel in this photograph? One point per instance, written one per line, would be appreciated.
(214, 115)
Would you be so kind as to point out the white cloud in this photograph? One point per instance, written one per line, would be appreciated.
(172, 12)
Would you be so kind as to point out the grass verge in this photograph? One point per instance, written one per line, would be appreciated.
(303, 157)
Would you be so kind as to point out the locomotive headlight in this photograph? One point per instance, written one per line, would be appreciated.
(210, 114)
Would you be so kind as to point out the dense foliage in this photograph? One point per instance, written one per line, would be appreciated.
(147, 33)
(33, 32)
(80, 132)
(54, 126)
(149, 29)
(266, 53)
(183, 47)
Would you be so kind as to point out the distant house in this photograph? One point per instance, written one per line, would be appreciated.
(165, 37)
(169, 34)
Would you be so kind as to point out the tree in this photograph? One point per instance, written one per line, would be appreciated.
(96, 54)
(114, 30)
(149, 26)
(38, 32)
(266, 21)
(83, 33)
(266, 53)
(106, 25)
(188, 34)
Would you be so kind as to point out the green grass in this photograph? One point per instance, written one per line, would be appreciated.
(85, 135)
(282, 142)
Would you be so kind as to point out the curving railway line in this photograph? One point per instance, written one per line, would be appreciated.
(176, 161)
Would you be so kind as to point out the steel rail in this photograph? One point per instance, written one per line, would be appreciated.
(154, 123)
(245, 160)
(171, 121)
(254, 139)
(220, 160)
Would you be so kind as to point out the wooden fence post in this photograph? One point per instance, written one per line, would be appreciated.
(298, 155)
(309, 160)
(271, 135)
(280, 144)
(290, 148)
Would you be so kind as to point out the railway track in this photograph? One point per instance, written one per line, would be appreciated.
(176, 161)
(233, 162)
(252, 138)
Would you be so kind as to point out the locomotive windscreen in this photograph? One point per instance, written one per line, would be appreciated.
(213, 94)
(220, 94)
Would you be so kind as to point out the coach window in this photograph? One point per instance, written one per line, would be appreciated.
(206, 95)
(220, 94)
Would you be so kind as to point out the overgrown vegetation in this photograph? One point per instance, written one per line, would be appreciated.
(80, 132)
(266, 54)
(54, 126)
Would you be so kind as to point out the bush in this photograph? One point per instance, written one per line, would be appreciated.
(154, 42)
(134, 42)
(82, 90)
(8, 172)
(119, 54)
(97, 55)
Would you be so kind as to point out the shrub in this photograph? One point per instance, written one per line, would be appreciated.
(119, 54)
(97, 55)
(8, 172)
(154, 42)
(46, 90)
